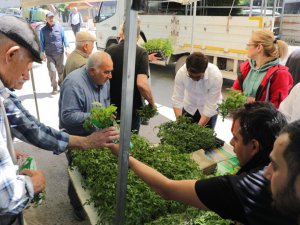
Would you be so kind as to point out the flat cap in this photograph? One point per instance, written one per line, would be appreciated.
(84, 36)
(19, 31)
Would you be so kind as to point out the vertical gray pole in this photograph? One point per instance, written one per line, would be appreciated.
(193, 26)
(251, 7)
(274, 8)
(34, 95)
(126, 108)
(281, 19)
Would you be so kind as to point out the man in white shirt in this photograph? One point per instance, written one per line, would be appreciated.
(290, 106)
(75, 20)
(197, 90)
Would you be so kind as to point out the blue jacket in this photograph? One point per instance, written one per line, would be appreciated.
(53, 39)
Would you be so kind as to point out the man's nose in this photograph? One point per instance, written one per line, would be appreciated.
(268, 171)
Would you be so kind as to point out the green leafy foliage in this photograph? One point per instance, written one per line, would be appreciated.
(191, 216)
(164, 45)
(210, 218)
(100, 117)
(99, 168)
(146, 112)
(186, 136)
(234, 101)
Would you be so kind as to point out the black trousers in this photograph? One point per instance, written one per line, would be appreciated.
(197, 116)
(75, 28)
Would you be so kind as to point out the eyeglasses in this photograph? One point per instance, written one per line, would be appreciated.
(251, 45)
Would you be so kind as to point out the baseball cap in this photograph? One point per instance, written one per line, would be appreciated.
(21, 32)
(49, 14)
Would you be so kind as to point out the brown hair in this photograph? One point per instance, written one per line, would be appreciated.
(273, 49)
(196, 62)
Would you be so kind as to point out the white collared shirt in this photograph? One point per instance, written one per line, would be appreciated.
(290, 106)
(203, 95)
(75, 18)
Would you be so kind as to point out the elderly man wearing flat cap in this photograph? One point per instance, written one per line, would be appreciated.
(19, 48)
(78, 58)
(53, 42)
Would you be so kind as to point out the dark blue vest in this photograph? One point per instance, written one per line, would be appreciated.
(53, 41)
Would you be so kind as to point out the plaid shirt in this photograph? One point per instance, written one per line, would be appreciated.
(27, 128)
(15, 190)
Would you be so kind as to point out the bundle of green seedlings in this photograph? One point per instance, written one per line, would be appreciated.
(146, 112)
(143, 206)
(101, 117)
(163, 47)
(186, 136)
(234, 101)
(99, 168)
(191, 216)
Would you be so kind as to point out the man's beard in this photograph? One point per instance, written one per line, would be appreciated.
(287, 202)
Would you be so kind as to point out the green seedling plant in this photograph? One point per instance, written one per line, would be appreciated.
(99, 169)
(101, 117)
(159, 44)
(146, 112)
(233, 102)
(186, 136)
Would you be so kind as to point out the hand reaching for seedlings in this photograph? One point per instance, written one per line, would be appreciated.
(103, 138)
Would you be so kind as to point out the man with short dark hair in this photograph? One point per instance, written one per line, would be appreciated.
(197, 90)
(284, 171)
(255, 129)
(245, 197)
(53, 44)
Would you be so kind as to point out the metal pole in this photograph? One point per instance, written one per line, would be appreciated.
(251, 7)
(281, 19)
(126, 108)
(193, 26)
(34, 94)
(274, 8)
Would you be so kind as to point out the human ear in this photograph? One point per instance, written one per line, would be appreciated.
(11, 54)
(255, 146)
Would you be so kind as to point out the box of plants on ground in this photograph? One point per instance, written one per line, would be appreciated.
(171, 157)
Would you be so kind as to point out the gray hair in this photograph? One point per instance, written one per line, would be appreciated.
(80, 44)
(96, 59)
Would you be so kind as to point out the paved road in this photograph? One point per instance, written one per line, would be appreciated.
(56, 209)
